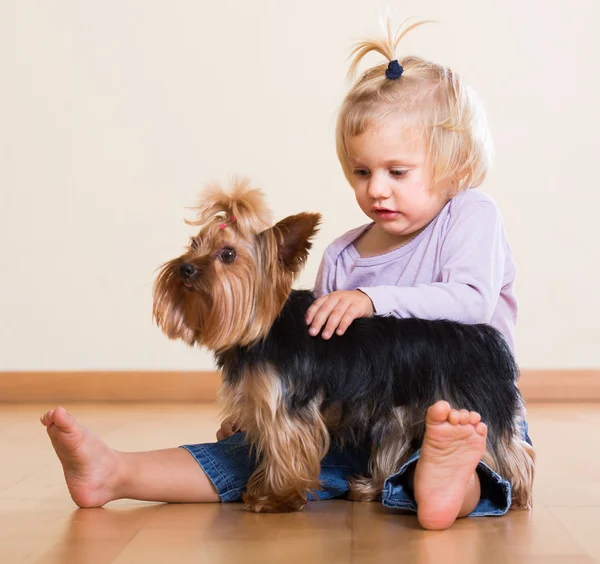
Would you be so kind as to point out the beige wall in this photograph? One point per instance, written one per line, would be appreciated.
(113, 115)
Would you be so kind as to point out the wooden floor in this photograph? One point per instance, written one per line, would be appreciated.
(40, 524)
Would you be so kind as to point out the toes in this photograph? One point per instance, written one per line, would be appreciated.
(464, 417)
(438, 412)
(481, 429)
(474, 418)
(62, 419)
(441, 411)
(454, 417)
(46, 419)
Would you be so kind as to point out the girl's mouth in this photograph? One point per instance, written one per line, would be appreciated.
(386, 214)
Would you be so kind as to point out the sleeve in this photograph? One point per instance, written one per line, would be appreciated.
(325, 276)
(472, 261)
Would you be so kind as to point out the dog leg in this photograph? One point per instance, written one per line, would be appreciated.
(289, 443)
(291, 450)
(393, 450)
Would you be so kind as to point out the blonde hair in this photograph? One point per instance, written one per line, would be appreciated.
(428, 99)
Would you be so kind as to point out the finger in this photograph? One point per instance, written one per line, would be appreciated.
(334, 320)
(310, 312)
(346, 321)
(322, 316)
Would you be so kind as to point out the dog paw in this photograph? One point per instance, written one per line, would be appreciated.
(264, 504)
(363, 489)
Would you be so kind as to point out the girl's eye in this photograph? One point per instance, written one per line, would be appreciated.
(227, 255)
(194, 243)
(394, 172)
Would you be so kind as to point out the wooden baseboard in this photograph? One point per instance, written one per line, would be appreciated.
(538, 385)
(165, 386)
(107, 386)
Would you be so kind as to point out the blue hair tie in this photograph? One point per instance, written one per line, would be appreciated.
(394, 70)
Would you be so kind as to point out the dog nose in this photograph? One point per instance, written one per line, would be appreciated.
(187, 270)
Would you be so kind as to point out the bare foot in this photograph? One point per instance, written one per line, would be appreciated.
(453, 446)
(91, 467)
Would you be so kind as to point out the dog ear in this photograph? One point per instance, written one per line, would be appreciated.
(293, 236)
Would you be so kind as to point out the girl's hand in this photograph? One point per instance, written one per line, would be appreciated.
(228, 427)
(339, 309)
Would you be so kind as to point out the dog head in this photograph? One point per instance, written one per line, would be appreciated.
(230, 285)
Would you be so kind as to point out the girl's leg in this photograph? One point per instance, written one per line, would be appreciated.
(96, 474)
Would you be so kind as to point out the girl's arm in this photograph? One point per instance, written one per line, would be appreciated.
(473, 260)
(324, 281)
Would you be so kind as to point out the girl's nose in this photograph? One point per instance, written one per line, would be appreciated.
(378, 189)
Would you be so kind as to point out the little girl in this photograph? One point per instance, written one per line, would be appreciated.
(413, 141)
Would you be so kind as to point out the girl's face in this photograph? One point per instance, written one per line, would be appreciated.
(392, 181)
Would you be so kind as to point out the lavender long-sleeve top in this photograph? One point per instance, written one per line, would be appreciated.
(458, 268)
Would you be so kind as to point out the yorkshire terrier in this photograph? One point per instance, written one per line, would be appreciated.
(231, 291)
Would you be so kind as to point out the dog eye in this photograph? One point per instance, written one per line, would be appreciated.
(227, 255)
